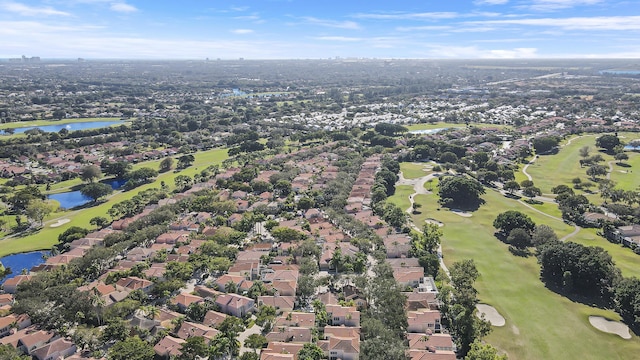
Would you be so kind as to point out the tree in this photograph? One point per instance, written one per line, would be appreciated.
(460, 190)
(118, 169)
(511, 186)
(584, 270)
(310, 351)
(428, 241)
(621, 156)
(465, 326)
(72, 233)
(8, 352)
(255, 341)
(480, 351)
(545, 144)
(448, 157)
(90, 173)
(607, 142)
(24, 196)
(183, 182)
(531, 192)
(166, 164)
(543, 234)
(519, 238)
(560, 189)
(627, 301)
(96, 190)
(116, 330)
(596, 170)
(38, 209)
(193, 347)
(512, 219)
(133, 348)
(584, 151)
(99, 221)
(185, 161)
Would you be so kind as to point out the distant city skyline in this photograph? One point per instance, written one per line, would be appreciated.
(304, 29)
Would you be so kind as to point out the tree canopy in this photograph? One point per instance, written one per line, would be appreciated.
(460, 191)
(512, 219)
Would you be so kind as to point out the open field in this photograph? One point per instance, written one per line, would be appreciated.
(540, 323)
(21, 124)
(551, 170)
(413, 170)
(48, 236)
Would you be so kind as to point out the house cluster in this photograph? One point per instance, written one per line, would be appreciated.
(54, 164)
(294, 325)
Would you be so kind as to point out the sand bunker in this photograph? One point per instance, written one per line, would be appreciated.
(461, 213)
(490, 314)
(60, 223)
(609, 326)
(433, 221)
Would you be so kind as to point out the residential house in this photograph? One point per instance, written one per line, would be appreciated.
(11, 285)
(409, 276)
(57, 349)
(31, 341)
(343, 315)
(183, 300)
(214, 318)
(343, 348)
(189, 329)
(284, 303)
(169, 347)
(290, 334)
(234, 304)
(296, 319)
(134, 283)
(276, 348)
(423, 321)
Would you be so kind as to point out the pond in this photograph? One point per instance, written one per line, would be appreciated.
(17, 262)
(115, 183)
(71, 127)
(70, 199)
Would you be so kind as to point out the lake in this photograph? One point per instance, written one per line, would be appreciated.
(71, 199)
(17, 262)
(71, 127)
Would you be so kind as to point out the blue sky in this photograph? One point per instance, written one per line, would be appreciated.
(283, 29)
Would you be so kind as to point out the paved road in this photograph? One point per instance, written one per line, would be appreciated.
(418, 188)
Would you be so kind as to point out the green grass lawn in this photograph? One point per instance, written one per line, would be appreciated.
(413, 170)
(48, 236)
(540, 323)
(551, 170)
(20, 124)
(401, 196)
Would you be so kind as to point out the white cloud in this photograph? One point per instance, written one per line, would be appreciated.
(552, 5)
(123, 7)
(25, 10)
(600, 23)
(351, 25)
(242, 31)
(490, 2)
(408, 16)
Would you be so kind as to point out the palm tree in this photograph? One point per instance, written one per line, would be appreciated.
(150, 311)
(220, 348)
